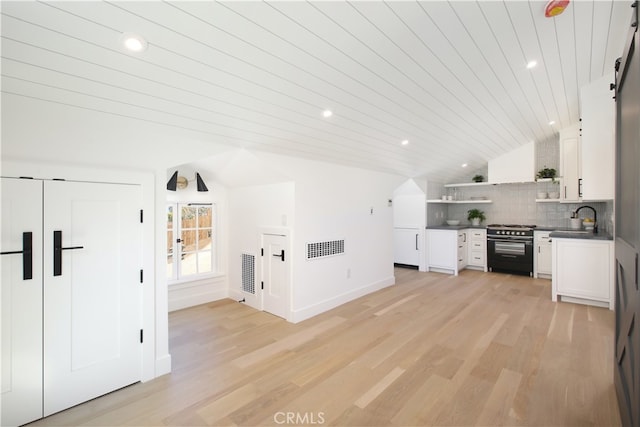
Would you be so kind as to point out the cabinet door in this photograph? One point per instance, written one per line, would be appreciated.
(570, 167)
(597, 141)
(544, 257)
(583, 269)
(21, 302)
(406, 246)
(442, 249)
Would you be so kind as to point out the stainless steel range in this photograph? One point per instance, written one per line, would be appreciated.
(510, 248)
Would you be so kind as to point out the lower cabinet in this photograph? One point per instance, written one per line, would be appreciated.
(462, 249)
(442, 250)
(583, 271)
(542, 255)
(477, 249)
(406, 246)
(454, 250)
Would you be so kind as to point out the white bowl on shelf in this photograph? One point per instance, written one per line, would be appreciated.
(453, 222)
(541, 195)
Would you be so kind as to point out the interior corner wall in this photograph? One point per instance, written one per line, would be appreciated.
(252, 209)
(335, 202)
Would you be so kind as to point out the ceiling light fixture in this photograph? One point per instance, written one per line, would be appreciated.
(551, 123)
(531, 64)
(134, 43)
(327, 113)
(464, 165)
(405, 142)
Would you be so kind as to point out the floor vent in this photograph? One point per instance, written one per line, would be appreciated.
(249, 273)
(325, 249)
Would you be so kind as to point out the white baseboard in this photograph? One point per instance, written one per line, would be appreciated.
(178, 302)
(326, 305)
(163, 365)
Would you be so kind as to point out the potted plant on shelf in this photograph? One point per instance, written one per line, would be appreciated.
(547, 173)
(478, 178)
(476, 216)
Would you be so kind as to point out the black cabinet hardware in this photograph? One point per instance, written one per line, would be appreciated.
(27, 255)
(57, 252)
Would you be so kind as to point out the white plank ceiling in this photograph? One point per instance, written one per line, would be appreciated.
(448, 76)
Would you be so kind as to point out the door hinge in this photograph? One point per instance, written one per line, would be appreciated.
(261, 285)
(141, 216)
(141, 336)
(141, 275)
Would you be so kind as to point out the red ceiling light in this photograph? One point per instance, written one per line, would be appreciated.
(555, 8)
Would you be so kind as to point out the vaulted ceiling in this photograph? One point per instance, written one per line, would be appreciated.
(449, 77)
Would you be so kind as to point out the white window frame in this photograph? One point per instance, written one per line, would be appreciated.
(177, 276)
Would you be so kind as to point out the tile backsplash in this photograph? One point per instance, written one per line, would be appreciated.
(516, 204)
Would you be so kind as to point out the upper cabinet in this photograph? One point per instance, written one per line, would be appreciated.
(587, 155)
(598, 139)
(570, 164)
(515, 166)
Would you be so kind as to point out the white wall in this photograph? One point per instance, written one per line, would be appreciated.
(335, 202)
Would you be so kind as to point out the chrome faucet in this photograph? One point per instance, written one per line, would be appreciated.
(595, 216)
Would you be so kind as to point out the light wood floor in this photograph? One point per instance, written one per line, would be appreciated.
(478, 349)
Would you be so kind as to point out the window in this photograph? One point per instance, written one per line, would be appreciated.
(190, 240)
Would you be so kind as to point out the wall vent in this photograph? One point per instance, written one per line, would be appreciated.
(249, 273)
(325, 249)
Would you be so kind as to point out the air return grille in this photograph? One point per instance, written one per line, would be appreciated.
(325, 249)
(248, 273)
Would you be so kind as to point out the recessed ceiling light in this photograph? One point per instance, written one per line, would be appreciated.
(551, 123)
(405, 142)
(531, 64)
(464, 165)
(134, 43)
(327, 113)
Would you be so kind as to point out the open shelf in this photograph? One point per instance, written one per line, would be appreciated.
(458, 201)
(469, 184)
(547, 200)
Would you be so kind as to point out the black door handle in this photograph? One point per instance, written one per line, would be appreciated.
(280, 255)
(57, 252)
(27, 255)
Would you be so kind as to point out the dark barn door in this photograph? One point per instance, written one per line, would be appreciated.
(627, 206)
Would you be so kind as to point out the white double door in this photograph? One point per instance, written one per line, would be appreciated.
(71, 294)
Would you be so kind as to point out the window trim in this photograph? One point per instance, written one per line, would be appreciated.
(176, 277)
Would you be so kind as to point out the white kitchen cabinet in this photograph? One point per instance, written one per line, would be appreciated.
(570, 165)
(477, 249)
(597, 142)
(542, 254)
(462, 249)
(515, 166)
(442, 250)
(406, 246)
(583, 271)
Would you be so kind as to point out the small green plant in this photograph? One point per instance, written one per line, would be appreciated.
(478, 178)
(475, 213)
(547, 173)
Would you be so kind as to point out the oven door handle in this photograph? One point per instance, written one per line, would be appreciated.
(526, 242)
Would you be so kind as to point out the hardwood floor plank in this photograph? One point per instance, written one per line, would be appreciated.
(476, 349)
